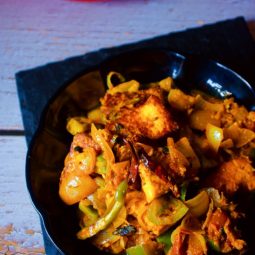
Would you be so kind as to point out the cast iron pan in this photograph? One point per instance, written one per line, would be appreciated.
(51, 142)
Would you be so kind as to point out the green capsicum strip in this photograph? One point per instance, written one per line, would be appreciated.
(104, 222)
(213, 245)
(141, 249)
(166, 212)
(165, 239)
(184, 188)
(89, 211)
(137, 250)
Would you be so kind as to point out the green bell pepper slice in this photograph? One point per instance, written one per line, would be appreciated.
(106, 220)
(101, 165)
(89, 211)
(184, 188)
(162, 211)
(141, 249)
(165, 239)
(214, 246)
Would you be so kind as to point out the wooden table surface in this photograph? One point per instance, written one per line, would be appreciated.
(34, 32)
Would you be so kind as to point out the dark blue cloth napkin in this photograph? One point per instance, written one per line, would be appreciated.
(228, 42)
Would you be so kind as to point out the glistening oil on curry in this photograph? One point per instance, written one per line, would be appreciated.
(154, 170)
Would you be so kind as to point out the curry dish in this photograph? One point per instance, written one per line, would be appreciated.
(156, 170)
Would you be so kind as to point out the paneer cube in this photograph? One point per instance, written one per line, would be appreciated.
(150, 119)
(152, 185)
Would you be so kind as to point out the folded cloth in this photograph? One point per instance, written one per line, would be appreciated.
(228, 42)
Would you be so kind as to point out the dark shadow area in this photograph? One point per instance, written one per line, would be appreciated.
(251, 26)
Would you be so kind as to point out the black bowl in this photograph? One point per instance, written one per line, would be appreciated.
(51, 142)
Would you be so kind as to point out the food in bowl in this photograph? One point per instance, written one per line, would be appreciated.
(156, 170)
